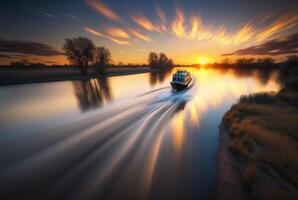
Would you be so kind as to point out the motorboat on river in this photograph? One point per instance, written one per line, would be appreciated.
(181, 80)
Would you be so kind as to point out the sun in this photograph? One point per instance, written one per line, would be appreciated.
(203, 60)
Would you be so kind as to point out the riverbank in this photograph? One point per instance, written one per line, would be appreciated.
(34, 75)
(258, 147)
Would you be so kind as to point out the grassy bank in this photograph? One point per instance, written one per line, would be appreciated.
(263, 137)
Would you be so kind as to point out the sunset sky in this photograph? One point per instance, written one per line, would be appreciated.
(190, 31)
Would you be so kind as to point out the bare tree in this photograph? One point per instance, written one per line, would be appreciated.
(80, 52)
(153, 59)
(102, 58)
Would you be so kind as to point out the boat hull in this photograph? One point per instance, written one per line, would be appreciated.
(179, 86)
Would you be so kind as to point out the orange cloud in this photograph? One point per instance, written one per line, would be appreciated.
(140, 35)
(243, 35)
(197, 31)
(92, 31)
(195, 27)
(103, 9)
(283, 23)
(178, 24)
(122, 42)
(147, 23)
(117, 32)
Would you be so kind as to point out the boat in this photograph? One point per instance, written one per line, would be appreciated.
(180, 80)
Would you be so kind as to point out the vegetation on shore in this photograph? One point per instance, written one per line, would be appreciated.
(263, 130)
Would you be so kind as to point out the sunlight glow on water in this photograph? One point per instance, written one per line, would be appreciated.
(120, 137)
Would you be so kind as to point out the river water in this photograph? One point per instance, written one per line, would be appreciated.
(124, 137)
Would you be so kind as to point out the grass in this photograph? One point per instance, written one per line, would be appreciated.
(263, 128)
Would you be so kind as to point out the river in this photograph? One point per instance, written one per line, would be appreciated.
(124, 137)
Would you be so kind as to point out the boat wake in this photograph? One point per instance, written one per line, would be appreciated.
(96, 155)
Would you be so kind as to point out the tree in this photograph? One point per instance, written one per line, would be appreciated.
(292, 62)
(153, 59)
(226, 61)
(80, 52)
(161, 61)
(266, 63)
(102, 58)
(245, 61)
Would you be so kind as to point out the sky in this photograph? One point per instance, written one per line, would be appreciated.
(189, 31)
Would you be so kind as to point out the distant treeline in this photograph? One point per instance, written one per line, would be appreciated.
(83, 54)
(263, 63)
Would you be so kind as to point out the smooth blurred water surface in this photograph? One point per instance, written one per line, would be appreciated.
(124, 137)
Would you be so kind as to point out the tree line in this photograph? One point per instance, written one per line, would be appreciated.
(262, 63)
(83, 53)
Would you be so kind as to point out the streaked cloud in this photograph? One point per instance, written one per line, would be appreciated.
(71, 16)
(161, 15)
(279, 46)
(244, 34)
(178, 24)
(283, 23)
(196, 22)
(118, 41)
(92, 31)
(47, 14)
(139, 35)
(117, 32)
(28, 47)
(193, 29)
(13, 56)
(147, 24)
(101, 8)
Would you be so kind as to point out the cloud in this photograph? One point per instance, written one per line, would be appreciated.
(71, 16)
(13, 56)
(178, 24)
(140, 35)
(147, 24)
(27, 47)
(92, 31)
(161, 15)
(244, 34)
(196, 23)
(279, 46)
(193, 29)
(117, 32)
(101, 8)
(283, 23)
(117, 41)
(46, 14)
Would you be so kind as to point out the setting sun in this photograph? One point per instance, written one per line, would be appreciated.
(203, 61)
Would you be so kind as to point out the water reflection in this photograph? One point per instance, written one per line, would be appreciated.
(157, 77)
(92, 93)
(157, 143)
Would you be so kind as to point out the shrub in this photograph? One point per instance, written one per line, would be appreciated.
(250, 175)
(259, 98)
(239, 149)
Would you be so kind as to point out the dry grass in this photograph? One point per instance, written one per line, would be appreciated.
(238, 148)
(271, 121)
(275, 193)
(250, 175)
